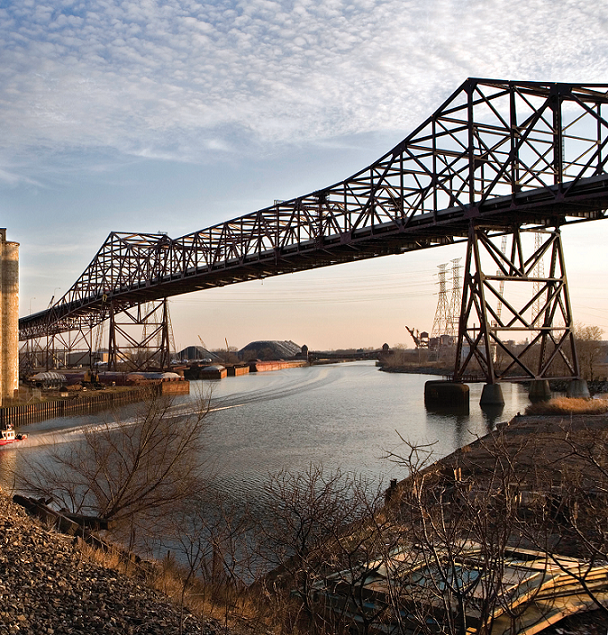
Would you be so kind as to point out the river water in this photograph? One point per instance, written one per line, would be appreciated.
(346, 416)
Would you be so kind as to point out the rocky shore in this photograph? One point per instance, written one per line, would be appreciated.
(48, 588)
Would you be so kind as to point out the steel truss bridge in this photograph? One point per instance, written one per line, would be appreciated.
(496, 160)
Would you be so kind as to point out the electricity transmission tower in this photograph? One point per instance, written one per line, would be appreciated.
(456, 298)
(443, 321)
(447, 314)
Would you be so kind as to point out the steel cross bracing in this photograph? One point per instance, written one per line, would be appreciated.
(490, 319)
(496, 153)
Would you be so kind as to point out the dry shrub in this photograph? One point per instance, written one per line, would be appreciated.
(564, 405)
(218, 601)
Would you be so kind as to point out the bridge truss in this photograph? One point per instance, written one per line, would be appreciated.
(537, 308)
(496, 157)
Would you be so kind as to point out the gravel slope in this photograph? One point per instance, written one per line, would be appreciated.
(45, 588)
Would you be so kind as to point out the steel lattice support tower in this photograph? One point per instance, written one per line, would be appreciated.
(73, 347)
(139, 337)
(549, 350)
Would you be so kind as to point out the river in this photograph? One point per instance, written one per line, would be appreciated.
(346, 416)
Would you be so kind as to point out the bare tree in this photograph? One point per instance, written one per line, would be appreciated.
(360, 550)
(309, 513)
(210, 539)
(572, 508)
(471, 543)
(590, 349)
(458, 526)
(125, 469)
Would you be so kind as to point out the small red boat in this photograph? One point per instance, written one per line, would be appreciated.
(7, 435)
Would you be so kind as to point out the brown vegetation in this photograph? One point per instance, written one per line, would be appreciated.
(201, 598)
(419, 360)
(566, 406)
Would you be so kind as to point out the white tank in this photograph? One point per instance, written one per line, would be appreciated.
(9, 317)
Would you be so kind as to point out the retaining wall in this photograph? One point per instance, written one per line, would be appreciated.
(25, 414)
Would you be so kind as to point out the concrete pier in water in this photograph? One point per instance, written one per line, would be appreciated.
(446, 395)
(578, 389)
(539, 390)
(491, 395)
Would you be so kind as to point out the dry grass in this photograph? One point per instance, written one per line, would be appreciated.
(240, 609)
(563, 405)
(221, 602)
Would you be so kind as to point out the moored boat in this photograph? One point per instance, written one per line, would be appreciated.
(7, 435)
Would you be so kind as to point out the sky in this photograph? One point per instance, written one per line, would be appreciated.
(174, 115)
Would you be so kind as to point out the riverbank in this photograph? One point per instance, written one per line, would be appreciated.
(49, 584)
(544, 478)
(545, 460)
(596, 386)
(64, 404)
(443, 371)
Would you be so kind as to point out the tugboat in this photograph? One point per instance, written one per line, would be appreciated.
(7, 435)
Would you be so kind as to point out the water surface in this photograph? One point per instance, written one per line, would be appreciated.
(346, 416)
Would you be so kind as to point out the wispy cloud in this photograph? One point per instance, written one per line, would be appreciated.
(185, 79)
(11, 178)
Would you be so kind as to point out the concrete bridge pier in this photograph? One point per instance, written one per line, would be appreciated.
(539, 390)
(446, 396)
(578, 389)
(491, 395)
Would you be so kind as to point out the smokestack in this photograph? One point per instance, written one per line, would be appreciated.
(9, 317)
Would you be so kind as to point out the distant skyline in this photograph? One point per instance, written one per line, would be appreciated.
(175, 115)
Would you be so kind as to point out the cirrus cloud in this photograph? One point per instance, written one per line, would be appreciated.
(185, 79)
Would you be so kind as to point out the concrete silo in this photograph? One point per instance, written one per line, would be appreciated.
(9, 317)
